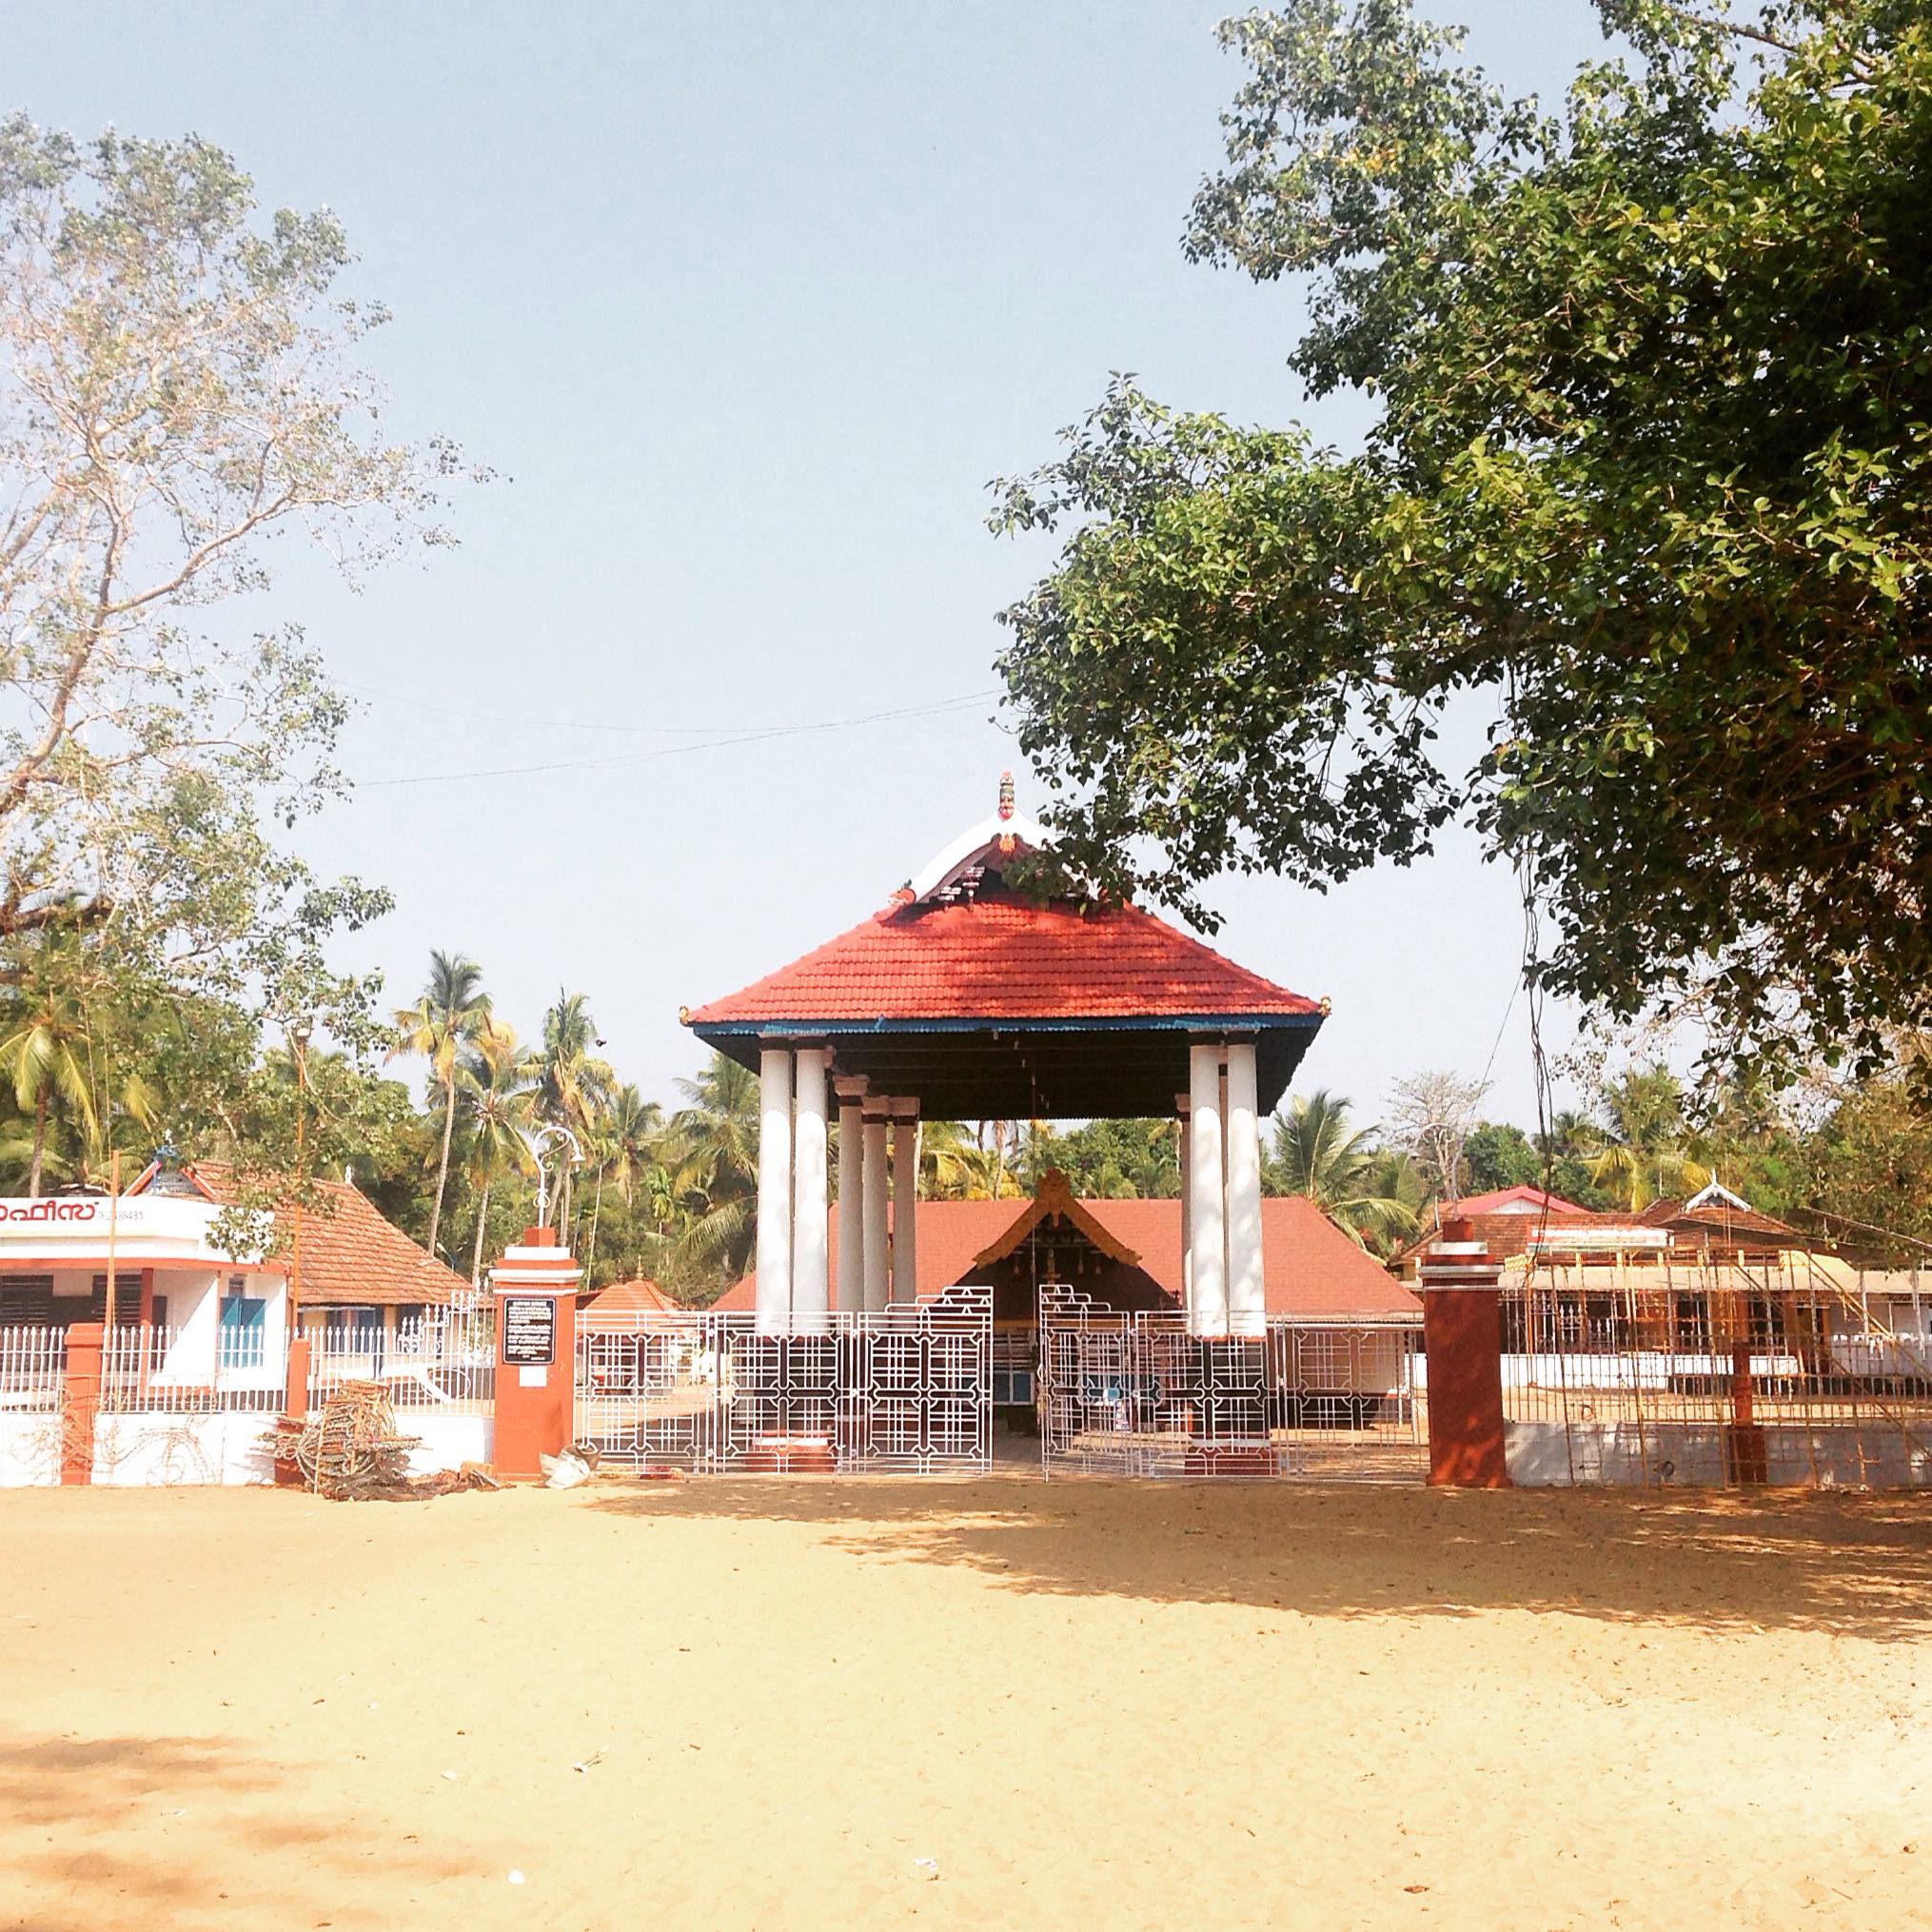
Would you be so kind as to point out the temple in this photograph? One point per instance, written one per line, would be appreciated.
(967, 998)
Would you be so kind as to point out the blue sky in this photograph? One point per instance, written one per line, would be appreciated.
(746, 305)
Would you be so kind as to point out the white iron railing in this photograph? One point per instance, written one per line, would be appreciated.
(32, 1361)
(443, 1362)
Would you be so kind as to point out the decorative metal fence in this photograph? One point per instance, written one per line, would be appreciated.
(1720, 1375)
(442, 1363)
(1138, 1394)
(905, 1390)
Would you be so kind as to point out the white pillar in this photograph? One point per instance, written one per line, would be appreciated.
(851, 1196)
(1247, 1298)
(875, 1269)
(905, 1200)
(1181, 1111)
(810, 1287)
(1206, 1203)
(775, 1191)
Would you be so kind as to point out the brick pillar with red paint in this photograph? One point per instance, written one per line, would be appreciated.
(82, 1394)
(535, 1288)
(1462, 1337)
(295, 1408)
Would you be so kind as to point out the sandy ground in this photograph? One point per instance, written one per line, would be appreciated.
(1002, 1704)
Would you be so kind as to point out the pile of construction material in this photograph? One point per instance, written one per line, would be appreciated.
(351, 1450)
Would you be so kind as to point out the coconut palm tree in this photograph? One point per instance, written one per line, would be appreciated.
(499, 1081)
(1341, 1170)
(573, 1081)
(711, 1148)
(46, 1054)
(624, 1146)
(451, 1014)
(1646, 1158)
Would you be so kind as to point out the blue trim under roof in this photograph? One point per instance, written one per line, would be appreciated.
(1194, 1022)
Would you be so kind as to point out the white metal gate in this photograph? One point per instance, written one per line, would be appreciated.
(1334, 1398)
(906, 1388)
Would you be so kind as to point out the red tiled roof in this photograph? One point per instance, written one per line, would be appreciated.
(1308, 1265)
(353, 1256)
(625, 1298)
(1507, 1200)
(1001, 956)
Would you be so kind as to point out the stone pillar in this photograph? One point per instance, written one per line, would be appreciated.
(1207, 1216)
(810, 1287)
(905, 1200)
(81, 1393)
(1461, 1338)
(851, 1196)
(535, 1289)
(775, 1191)
(875, 1215)
(1247, 1299)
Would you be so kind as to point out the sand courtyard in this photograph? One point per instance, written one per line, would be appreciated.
(1003, 1703)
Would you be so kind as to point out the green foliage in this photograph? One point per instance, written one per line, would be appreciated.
(1369, 1191)
(1652, 471)
(1110, 1160)
(1868, 1170)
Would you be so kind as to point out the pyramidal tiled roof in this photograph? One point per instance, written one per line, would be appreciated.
(1001, 956)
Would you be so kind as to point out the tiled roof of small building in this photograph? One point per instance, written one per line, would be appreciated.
(626, 1298)
(1001, 956)
(1511, 1200)
(352, 1254)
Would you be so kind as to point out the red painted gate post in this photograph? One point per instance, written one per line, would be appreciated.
(295, 1408)
(81, 1393)
(534, 1287)
(1462, 1339)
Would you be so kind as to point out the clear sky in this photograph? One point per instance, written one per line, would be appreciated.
(747, 304)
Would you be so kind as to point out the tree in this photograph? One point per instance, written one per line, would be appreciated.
(712, 1150)
(574, 1083)
(451, 1014)
(1126, 1159)
(1340, 1170)
(179, 392)
(1430, 1116)
(1649, 472)
(499, 1080)
(625, 1146)
(1645, 1158)
(46, 1054)
(1866, 1168)
(1501, 1155)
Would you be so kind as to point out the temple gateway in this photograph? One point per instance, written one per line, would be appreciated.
(965, 998)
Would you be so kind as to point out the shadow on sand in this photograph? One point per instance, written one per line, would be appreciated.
(166, 1831)
(1853, 1564)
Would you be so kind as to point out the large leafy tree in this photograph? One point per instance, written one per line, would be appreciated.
(180, 389)
(1652, 474)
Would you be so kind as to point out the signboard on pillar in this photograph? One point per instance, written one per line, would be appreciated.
(529, 1330)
